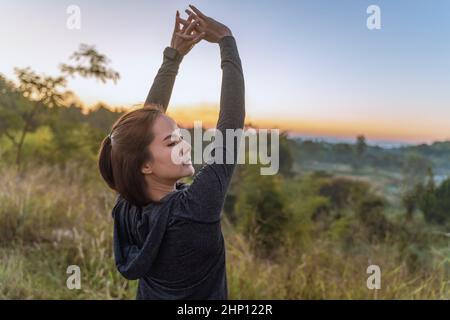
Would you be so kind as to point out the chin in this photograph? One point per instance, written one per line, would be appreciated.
(188, 171)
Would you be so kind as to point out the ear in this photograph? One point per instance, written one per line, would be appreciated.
(147, 168)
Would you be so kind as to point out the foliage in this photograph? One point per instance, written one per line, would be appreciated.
(308, 232)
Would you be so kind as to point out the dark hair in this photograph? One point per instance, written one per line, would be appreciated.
(125, 150)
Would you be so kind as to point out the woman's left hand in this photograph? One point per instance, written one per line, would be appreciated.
(184, 39)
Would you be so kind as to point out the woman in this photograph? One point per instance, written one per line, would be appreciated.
(168, 234)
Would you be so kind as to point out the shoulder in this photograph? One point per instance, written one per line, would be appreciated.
(117, 203)
(126, 212)
(188, 207)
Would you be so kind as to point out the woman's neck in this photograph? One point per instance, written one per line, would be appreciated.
(158, 188)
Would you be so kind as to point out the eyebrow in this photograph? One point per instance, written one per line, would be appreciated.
(169, 136)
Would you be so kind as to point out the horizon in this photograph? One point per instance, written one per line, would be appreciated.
(211, 115)
(315, 71)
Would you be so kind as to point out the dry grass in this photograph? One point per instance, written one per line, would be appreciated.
(51, 218)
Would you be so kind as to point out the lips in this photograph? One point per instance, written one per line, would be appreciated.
(187, 162)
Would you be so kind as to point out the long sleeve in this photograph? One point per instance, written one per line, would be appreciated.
(206, 195)
(161, 90)
(232, 96)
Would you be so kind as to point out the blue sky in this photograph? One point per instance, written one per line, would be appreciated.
(312, 63)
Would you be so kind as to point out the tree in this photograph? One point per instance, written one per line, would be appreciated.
(13, 107)
(369, 211)
(435, 202)
(20, 105)
(90, 64)
(361, 145)
(286, 155)
(262, 214)
(410, 200)
(415, 170)
(361, 148)
(41, 91)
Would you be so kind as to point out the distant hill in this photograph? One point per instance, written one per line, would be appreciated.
(386, 156)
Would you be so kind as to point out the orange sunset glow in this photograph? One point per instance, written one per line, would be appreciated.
(375, 129)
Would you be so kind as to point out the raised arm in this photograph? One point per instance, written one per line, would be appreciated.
(183, 40)
(205, 196)
(162, 86)
(232, 96)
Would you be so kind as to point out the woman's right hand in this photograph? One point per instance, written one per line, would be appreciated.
(214, 30)
(184, 39)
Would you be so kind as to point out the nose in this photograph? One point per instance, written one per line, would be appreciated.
(185, 148)
(188, 146)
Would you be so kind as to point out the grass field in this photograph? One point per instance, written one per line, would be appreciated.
(51, 218)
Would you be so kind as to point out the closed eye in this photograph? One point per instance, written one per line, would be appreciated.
(175, 142)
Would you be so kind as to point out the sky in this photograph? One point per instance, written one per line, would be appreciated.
(311, 67)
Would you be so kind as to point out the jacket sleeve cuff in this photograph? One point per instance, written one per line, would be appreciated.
(172, 54)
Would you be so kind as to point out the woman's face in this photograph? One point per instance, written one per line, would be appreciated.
(171, 155)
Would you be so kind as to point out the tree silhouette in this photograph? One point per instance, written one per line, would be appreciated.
(95, 68)
(21, 104)
(361, 148)
(415, 170)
